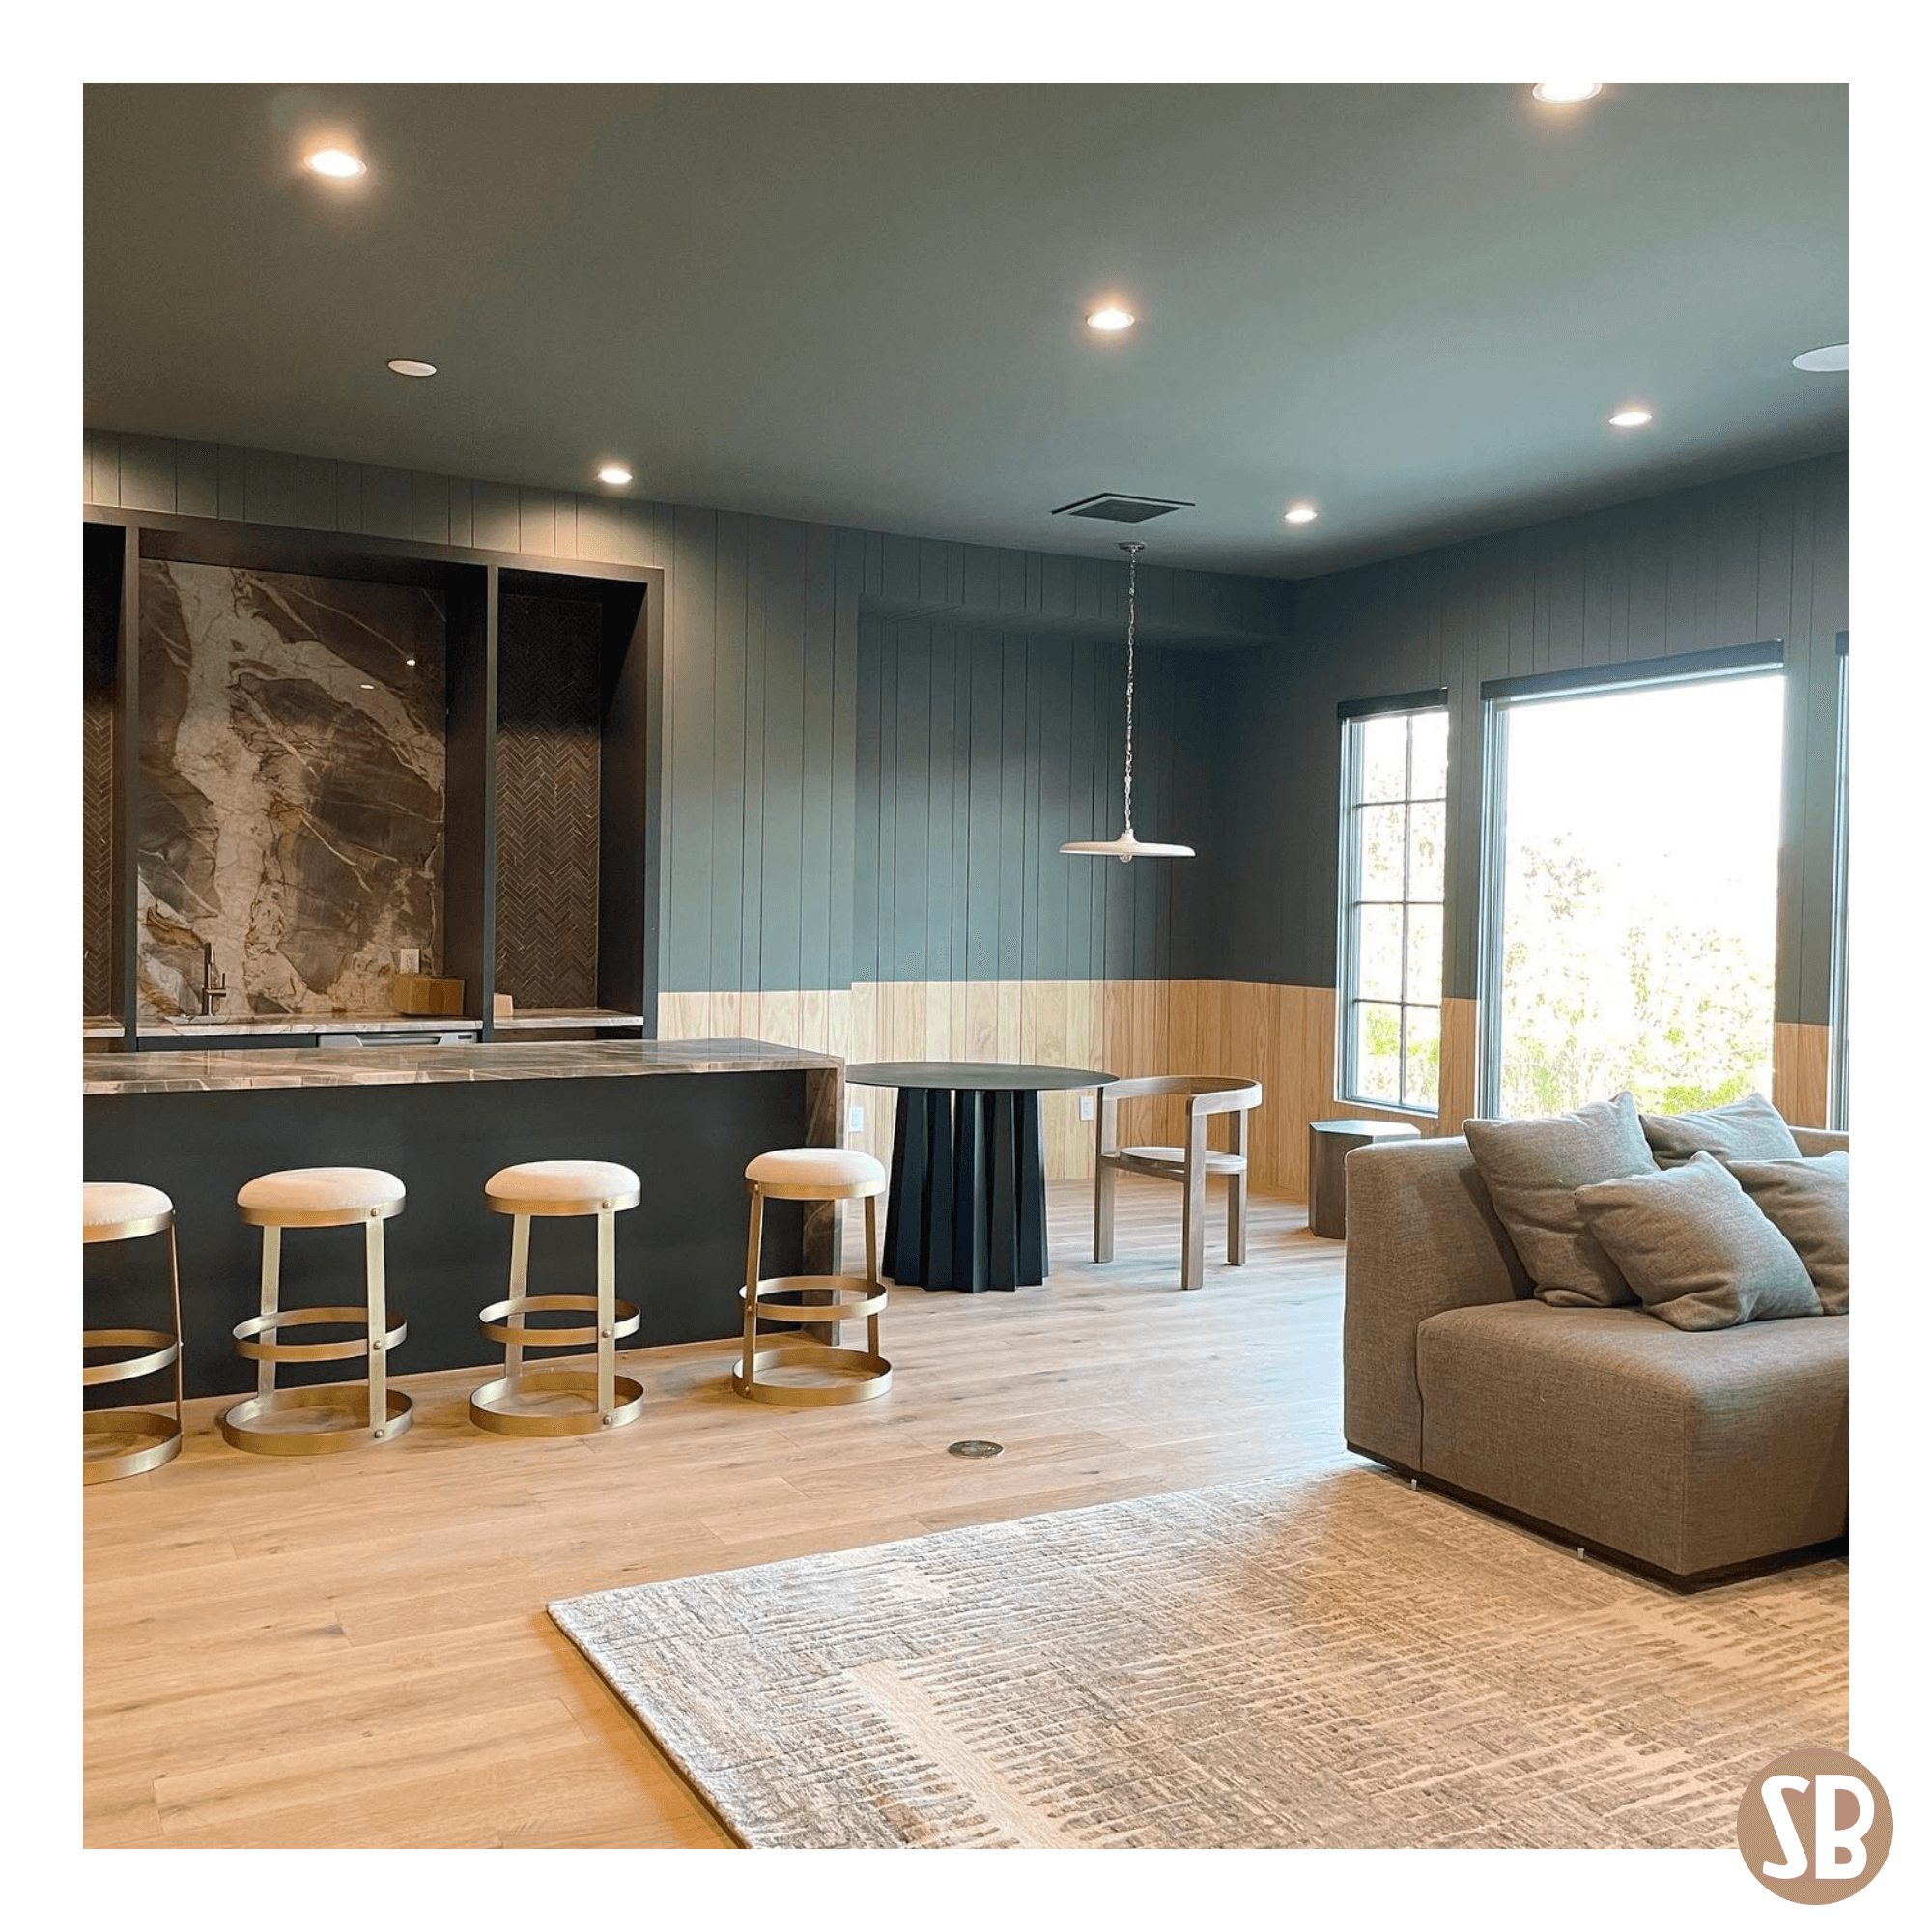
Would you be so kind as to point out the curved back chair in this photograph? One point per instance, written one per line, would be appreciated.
(1207, 1094)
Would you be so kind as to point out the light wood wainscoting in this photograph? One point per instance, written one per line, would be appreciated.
(1282, 1036)
(1800, 1059)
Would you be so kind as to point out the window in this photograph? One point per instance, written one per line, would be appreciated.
(1395, 782)
(1631, 820)
(1839, 1109)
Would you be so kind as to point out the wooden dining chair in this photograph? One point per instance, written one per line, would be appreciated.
(1207, 1094)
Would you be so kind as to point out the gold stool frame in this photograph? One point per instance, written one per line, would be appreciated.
(154, 1439)
(849, 1300)
(612, 1400)
(381, 1413)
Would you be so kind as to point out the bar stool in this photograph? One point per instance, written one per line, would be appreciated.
(129, 1441)
(319, 1197)
(813, 1174)
(560, 1187)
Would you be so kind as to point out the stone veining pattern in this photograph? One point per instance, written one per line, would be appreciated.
(1339, 1662)
(225, 1069)
(292, 787)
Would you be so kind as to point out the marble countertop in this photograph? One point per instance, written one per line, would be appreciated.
(235, 1068)
(536, 1017)
(358, 1023)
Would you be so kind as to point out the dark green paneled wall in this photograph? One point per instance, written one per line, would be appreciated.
(766, 853)
(1752, 558)
(980, 751)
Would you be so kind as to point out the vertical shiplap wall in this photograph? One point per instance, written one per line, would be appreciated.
(771, 870)
(981, 751)
(1750, 558)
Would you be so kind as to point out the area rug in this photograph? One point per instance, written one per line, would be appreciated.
(1336, 1662)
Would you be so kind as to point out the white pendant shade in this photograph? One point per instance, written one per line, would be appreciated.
(1126, 847)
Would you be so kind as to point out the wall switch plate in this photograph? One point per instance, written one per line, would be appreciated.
(409, 959)
(855, 1120)
(1086, 1107)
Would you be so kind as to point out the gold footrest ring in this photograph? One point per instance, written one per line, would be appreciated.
(162, 1349)
(312, 1351)
(486, 1408)
(855, 1298)
(242, 1427)
(497, 1329)
(155, 1439)
(874, 1372)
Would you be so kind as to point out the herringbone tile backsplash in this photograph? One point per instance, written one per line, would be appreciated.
(547, 802)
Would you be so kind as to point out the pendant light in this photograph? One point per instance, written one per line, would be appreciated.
(1126, 847)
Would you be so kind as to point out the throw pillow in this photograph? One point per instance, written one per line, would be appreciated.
(1533, 1168)
(1809, 1203)
(1696, 1248)
(1748, 1129)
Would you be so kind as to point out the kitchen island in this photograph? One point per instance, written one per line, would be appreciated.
(687, 1115)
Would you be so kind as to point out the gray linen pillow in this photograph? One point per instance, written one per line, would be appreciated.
(1809, 1203)
(1696, 1248)
(1748, 1129)
(1533, 1168)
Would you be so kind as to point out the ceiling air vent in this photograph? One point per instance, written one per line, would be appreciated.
(1114, 509)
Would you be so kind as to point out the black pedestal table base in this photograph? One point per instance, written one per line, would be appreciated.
(966, 1206)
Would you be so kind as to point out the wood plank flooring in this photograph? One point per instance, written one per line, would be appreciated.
(352, 1652)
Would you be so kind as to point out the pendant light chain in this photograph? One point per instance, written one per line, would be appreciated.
(1126, 847)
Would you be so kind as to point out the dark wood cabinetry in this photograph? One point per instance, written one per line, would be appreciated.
(551, 682)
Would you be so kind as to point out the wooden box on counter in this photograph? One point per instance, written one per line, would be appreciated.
(418, 993)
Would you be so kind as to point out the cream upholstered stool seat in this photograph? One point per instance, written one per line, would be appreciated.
(813, 1174)
(328, 1416)
(600, 1398)
(126, 1441)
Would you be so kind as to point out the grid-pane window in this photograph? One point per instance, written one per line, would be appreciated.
(1395, 784)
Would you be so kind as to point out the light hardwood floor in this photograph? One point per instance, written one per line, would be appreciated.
(353, 1652)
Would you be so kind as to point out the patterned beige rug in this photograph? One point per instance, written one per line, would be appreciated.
(1334, 1661)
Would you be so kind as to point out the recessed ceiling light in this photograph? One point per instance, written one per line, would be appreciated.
(1567, 93)
(1110, 318)
(1633, 417)
(1833, 358)
(337, 163)
(614, 472)
(368, 686)
(409, 661)
(405, 365)
(1300, 513)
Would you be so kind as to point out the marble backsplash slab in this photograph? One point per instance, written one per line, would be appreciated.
(292, 787)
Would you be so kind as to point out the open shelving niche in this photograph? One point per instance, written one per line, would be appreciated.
(551, 804)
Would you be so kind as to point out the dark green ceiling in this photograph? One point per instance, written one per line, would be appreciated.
(1412, 305)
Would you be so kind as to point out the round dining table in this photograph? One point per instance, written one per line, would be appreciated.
(966, 1201)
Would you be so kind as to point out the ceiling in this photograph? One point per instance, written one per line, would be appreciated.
(1413, 306)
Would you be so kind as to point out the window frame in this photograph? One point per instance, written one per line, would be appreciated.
(1355, 715)
(1838, 1079)
(1498, 696)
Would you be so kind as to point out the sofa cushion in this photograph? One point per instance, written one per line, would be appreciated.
(1684, 1449)
(1748, 1129)
(1532, 1169)
(1809, 1203)
(1697, 1249)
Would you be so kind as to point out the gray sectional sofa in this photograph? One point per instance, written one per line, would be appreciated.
(1691, 1455)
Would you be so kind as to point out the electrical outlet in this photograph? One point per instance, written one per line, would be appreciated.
(1086, 1107)
(409, 959)
(855, 1120)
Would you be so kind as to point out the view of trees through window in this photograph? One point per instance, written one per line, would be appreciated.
(1639, 895)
